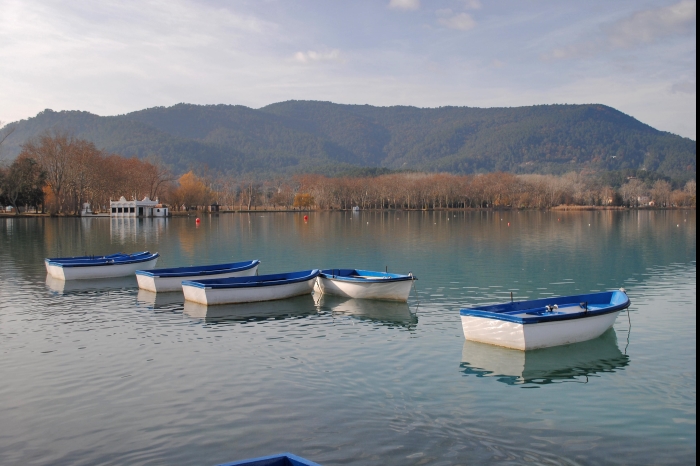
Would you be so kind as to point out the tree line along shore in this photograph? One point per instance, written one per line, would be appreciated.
(56, 173)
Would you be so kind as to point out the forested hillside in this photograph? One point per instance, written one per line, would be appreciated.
(322, 137)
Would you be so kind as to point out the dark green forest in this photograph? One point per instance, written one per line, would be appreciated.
(321, 137)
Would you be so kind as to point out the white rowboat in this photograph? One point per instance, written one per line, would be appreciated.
(164, 280)
(91, 267)
(543, 323)
(365, 284)
(250, 289)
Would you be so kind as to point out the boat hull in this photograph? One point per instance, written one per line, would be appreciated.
(214, 296)
(391, 290)
(533, 336)
(98, 271)
(168, 284)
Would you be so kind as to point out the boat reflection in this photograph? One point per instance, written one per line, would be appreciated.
(300, 306)
(391, 313)
(159, 300)
(99, 284)
(544, 366)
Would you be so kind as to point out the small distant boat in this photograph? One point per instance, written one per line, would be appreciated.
(250, 289)
(542, 323)
(91, 267)
(284, 459)
(163, 280)
(365, 284)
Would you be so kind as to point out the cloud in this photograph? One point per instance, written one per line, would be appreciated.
(688, 85)
(404, 4)
(312, 56)
(641, 28)
(460, 21)
(648, 26)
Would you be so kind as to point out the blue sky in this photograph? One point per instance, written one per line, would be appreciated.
(113, 57)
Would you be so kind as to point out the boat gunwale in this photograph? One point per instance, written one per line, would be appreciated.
(252, 281)
(538, 304)
(273, 460)
(93, 258)
(133, 259)
(363, 278)
(189, 271)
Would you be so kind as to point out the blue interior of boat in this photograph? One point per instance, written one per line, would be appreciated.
(284, 459)
(256, 280)
(200, 269)
(364, 275)
(87, 261)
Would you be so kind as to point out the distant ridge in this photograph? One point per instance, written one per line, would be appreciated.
(323, 137)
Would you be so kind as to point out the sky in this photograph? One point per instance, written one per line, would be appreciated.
(116, 56)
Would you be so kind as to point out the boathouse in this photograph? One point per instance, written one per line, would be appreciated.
(135, 208)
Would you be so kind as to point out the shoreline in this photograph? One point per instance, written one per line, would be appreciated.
(562, 208)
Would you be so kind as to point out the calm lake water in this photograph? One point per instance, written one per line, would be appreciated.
(100, 373)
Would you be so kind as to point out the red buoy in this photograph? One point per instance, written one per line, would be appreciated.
(197, 221)
(306, 218)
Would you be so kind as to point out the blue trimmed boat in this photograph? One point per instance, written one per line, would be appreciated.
(542, 323)
(171, 279)
(284, 459)
(250, 289)
(365, 284)
(91, 267)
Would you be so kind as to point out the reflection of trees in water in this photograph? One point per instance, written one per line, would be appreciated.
(566, 363)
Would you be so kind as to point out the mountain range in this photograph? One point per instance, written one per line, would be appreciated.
(322, 137)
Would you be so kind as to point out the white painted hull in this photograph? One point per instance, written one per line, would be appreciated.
(213, 296)
(390, 290)
(167, 284)
(533, 336)
(98, 271)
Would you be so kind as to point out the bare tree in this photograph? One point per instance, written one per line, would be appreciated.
(52, 150)
(4, 134)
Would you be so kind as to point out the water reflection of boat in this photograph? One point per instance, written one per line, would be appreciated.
(159, 300)
(277, 310)
(544, 366)
(58, 285)
(387, 312)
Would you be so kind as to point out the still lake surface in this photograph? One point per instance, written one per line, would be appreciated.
(100, 373)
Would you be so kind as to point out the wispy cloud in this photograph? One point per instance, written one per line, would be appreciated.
(404, 4)
(472, 4)
(643, 27)
(687, 85)
(459, 21)
(312, 56)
